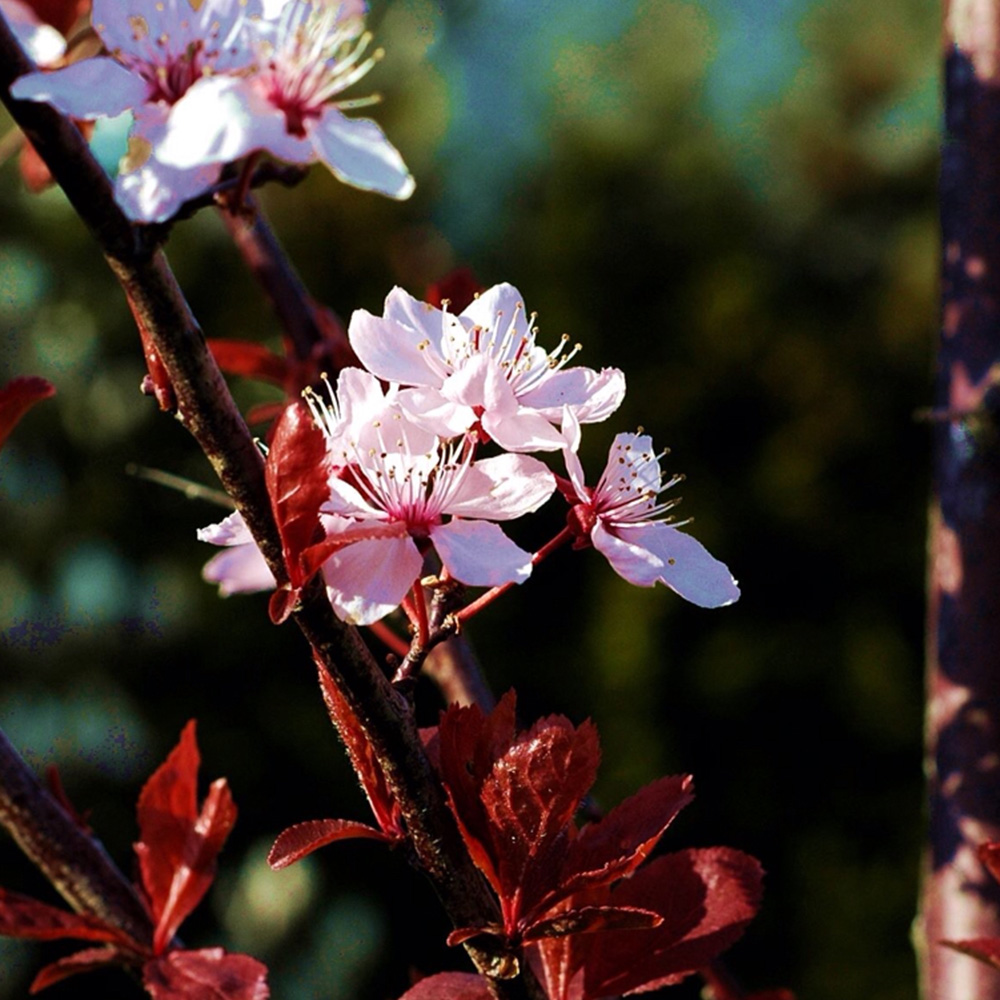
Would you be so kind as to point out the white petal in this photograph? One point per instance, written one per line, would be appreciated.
(523, 430)
(154, 192)
(502, 488)
(593, 396)
(239, 570)
(390, 350)
(367, 580)
(358, 153)
(480, 554)
(231, 530)
(650, 553)
(503, 299)
(221, 119)
(571, 434)
(430, 410)
(91, 88)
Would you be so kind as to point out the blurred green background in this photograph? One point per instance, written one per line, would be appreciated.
(731, 200)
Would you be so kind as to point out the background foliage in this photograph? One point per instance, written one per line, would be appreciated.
(733, 202)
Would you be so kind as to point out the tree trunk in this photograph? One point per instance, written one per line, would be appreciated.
(960, 901)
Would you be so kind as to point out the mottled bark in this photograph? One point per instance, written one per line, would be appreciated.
(959, 899)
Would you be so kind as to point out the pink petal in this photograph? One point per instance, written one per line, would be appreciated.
(503, 299)
(154, 193)
(646, 554)
(571, 438)
(480, 554)
(389, 349)
(231, 530)
(432, 411)
(358, 153)
(366, 580)
(503, 488)
(479, 381)
(90, 88)
(523, 430)
(593, 396)
(239, 570)
(221, 119)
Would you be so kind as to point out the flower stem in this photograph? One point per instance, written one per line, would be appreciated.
(484, 600)
(323, 343)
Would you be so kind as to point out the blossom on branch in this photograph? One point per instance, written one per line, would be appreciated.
(285, 104)
(401, 490)
(157, 52)
(625, 520)
(482, 369)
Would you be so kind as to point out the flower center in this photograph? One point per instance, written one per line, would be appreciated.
(413, 488)
(631, 484)
(318, 52)
(171, 63)
(511, 343)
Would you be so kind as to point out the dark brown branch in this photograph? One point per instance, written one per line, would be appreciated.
(73, 861)
(959, 899)
(207, 410)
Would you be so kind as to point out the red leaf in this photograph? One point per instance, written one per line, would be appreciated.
(558, 965)
(21, 916)
(248, 358)
(449, 986)
(82, 961)
(158, 384)
(530, 798)
(296, 478)
(297, 841)
(462, 934)
(367, 767)
(706, 898)
(178, 847)
(468, 745)
(17, 397)
(589, 919)
(208, 974)
(985, 949)
(621, 841)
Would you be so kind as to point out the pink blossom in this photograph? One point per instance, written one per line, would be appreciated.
(306, 55)
(482, 368)
(625, 520)
(405, 491)
(157, 52)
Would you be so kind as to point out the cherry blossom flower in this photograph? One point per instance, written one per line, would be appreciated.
(482, 368)
(625, 520)
(286, 105)
(390, 506)
(158, 51)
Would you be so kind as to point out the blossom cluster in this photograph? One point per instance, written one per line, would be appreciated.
(372, 476)
(209, 84)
